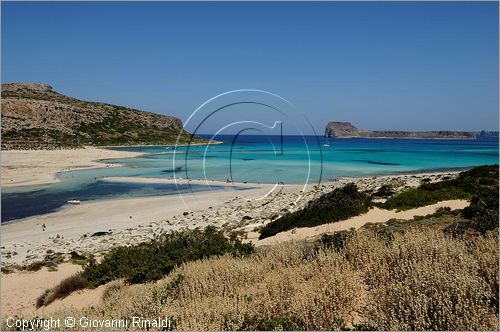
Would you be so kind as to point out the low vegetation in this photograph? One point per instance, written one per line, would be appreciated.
(153, 260)
(384, 191)
(421, 280)
(479, 184)
(340, 204)
(51, 260)
(483, 210)
(148, 261)
(466, 185)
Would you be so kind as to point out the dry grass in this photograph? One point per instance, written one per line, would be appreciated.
(436, 283)
(112, 288)
(63, 289)
(422, 280)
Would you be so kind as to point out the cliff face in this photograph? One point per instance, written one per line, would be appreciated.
(342, 129)
(34, 116)
(346, 130)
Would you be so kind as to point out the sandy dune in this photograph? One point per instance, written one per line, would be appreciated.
(21, 289)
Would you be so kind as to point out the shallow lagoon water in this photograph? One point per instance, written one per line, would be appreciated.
(259, 159)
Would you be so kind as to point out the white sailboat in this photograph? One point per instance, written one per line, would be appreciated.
(326, 142)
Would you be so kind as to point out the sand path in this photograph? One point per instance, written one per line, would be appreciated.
(375, 215)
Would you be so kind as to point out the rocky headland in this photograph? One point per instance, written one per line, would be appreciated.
(347, 130)
(34, 116)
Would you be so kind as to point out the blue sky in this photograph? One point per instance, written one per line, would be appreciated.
(407, 66)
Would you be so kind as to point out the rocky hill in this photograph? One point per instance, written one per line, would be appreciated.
(34, 116)
(347, 130)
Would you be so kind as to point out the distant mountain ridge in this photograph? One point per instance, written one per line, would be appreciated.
(34, 116)
(347, 130)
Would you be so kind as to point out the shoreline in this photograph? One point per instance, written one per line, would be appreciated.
(135, 219)
(226, 186)
(122, 179)
(444, 171)
(132, 220)
(215, 183)
(231, 206)
(153, 145)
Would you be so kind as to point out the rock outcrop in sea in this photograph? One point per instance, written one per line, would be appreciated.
(347, 130)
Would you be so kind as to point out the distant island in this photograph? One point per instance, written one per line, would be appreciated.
(34, 116)
(347, 130)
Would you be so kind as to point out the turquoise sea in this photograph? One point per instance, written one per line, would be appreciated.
(250, 158)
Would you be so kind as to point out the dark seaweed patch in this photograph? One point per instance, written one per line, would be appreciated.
(376, 162)
(177, 169)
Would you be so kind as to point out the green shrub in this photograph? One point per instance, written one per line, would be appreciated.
(441, 211)
(463, 187)
(384, 191)
(153, 260)
(337, 240)
(481, 216)
(483, 210)
(340, 204)
(76, 258)
(416, 197)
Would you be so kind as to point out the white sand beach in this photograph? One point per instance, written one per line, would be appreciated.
(72, 227)
(37, 167)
